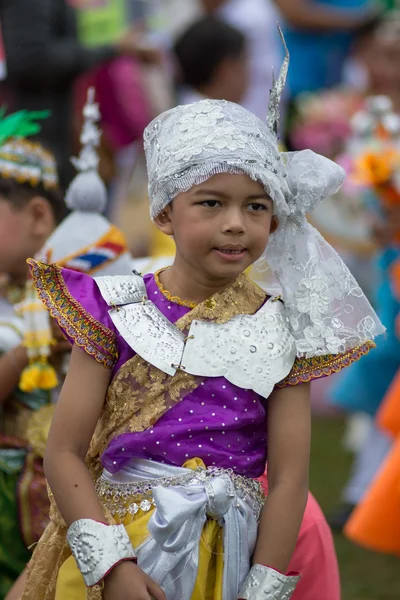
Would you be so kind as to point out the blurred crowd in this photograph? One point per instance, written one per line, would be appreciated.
(343, 94)
(146, 55)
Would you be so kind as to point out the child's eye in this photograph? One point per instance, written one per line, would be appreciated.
(256, 207)
(210, 203)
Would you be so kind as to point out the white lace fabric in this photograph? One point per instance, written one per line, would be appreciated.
(187, 145)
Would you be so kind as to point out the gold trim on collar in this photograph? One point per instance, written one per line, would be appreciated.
(168, 296)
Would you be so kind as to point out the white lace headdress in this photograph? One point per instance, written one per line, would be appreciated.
(185, 146)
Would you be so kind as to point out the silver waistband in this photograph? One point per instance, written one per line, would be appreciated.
(128, 498)
(183, 499)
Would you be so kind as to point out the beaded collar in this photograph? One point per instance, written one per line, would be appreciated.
(167, 294)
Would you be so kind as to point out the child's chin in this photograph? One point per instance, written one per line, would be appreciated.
(232, 270)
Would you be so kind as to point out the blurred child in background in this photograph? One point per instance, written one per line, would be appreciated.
(32, 223)
(31, 205)
(212, 62)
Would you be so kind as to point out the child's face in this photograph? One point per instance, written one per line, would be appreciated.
(23, 231)
(220, 227)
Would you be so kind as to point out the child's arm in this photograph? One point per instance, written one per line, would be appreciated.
(12, 363)
(77, 412)
(289, 432)
(75, 419)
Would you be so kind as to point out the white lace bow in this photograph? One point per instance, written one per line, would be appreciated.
(187, 145)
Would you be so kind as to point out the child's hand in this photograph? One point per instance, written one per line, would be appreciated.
(128, 582)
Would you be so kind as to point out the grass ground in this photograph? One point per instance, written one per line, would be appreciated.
(365, 575)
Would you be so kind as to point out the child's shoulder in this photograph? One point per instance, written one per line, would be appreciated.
(75, 301)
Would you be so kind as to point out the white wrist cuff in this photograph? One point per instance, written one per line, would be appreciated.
(264, 583)
(97, 548)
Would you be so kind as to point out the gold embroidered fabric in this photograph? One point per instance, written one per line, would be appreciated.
(38, 428)
(137, 397)
(86, 332)
(307, 369)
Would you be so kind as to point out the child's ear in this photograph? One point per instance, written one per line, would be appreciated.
(43, 221)
(163, 221)
(274, 224)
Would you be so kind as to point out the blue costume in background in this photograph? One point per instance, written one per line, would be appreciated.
(364, 384)
(317, 59)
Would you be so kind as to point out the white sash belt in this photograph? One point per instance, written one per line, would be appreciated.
(170, 556)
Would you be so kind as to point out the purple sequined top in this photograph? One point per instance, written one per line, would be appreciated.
(218, 422)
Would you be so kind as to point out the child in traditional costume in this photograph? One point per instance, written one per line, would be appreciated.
(31, 205)
(182, 371)
(38, 353)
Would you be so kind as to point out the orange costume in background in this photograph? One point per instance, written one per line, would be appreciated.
(375, 523)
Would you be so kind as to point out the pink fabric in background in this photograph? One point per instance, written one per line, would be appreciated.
(124, 104)
(314, 556)
(122, 98)
(320, 389)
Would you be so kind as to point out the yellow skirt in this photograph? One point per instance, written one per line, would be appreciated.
(70, 584)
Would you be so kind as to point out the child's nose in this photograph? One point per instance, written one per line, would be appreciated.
(234, 222)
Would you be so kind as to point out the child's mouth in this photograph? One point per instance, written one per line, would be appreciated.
(231, 253)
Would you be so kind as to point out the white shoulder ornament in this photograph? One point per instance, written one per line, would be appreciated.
(143, 327)
(251, 351)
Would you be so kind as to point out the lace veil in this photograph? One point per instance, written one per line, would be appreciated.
(327, 310)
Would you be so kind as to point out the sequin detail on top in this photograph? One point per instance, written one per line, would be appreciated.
(137, 398)
(168, 296)
(140, 394)
(308, 369)
(88, 333)
(224, 425)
